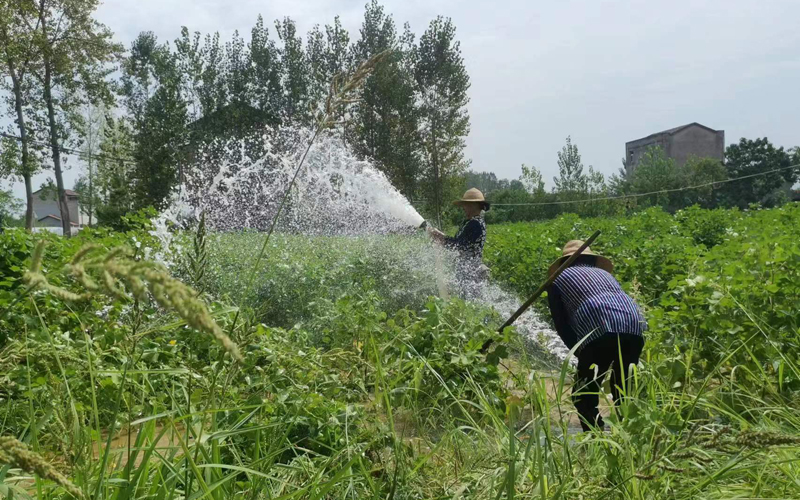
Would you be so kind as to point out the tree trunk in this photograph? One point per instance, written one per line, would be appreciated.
(91, 191)
(66, 224)
(23, 134)
(437, 192)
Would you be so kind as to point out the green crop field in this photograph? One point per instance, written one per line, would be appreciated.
(333, 368)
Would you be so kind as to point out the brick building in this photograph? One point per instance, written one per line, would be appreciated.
(679, 143)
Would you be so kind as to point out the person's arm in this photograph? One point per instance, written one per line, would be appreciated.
(560, 317)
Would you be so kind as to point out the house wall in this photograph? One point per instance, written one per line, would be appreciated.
(680, 146)
(42, 208)
(635, 149)
(48, 222)
(697, 141)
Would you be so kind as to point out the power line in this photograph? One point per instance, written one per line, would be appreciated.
(71, 151)
(638, 195)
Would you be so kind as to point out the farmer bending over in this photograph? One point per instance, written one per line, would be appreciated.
(589, 306)
(468, 241)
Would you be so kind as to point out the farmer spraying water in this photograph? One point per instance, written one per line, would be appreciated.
(468, 242)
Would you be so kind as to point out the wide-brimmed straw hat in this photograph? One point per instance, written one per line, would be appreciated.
(473, 196)
(571, 247)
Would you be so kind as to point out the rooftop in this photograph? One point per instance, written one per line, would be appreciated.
(675, 130)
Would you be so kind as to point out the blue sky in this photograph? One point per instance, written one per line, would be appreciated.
(604, 72)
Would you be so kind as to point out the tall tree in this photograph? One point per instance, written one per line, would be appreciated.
(295, 73)
(702, 172)
(328, 55)
(114, 173)
(750, 157)
(237, 70)
(94, 121)
(571, 182)
(266, 66)
(384, 124)
(18, 29)
(76, 51)
(158, 111)
(533, 180)
(10, 206)
(442, 84)
(656, 173)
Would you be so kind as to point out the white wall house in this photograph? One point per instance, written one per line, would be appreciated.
(47, 215)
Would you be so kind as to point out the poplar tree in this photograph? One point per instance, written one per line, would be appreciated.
(75, 54)
(442, 84)
(384, 125)
(18, 56)
(295, 73)
(571, 181)
(267, 88)
(152, 87)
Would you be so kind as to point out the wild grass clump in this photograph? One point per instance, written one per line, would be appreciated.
(116, 274)
(16, 454)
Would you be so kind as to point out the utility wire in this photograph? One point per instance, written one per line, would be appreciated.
(536, 204)
(638, 195)
(71, 151)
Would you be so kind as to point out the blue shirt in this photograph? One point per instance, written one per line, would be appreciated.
(587, 301)
(469, 242)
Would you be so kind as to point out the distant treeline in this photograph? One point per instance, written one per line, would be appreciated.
(586, 192)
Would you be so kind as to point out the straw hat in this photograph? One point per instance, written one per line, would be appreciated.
(472, 196)
(571, 247)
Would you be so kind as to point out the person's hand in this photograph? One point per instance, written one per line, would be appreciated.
(435, 234)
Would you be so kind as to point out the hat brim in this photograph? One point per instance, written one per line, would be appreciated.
(464, 202)
(601, 262)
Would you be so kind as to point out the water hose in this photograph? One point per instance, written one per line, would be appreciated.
(549, 281)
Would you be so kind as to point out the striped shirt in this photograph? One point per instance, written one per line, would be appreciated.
(587, 301)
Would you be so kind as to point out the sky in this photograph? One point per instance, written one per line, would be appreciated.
(603, 72)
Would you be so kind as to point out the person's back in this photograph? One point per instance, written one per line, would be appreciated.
(595, 305)
(595, 316)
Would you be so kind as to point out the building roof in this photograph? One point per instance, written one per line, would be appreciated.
(675, 130)
(68, 192)
(51, 216)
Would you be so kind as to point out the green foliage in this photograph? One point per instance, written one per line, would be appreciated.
(114, 169)
(385, 119)
(364, 392)
(571, 181)
(152, 89)
(750, 157)
(706, 227)
(719, 282)
(442, 83)
(701, 172)
(10, 205)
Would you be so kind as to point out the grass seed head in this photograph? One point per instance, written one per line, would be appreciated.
(17, 454)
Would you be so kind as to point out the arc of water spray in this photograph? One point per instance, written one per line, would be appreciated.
(338, 97)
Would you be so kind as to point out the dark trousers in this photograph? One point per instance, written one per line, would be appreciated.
(605, 352)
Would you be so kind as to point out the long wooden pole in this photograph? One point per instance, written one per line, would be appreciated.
(549, 281)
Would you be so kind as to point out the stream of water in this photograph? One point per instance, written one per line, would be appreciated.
(239, 184)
